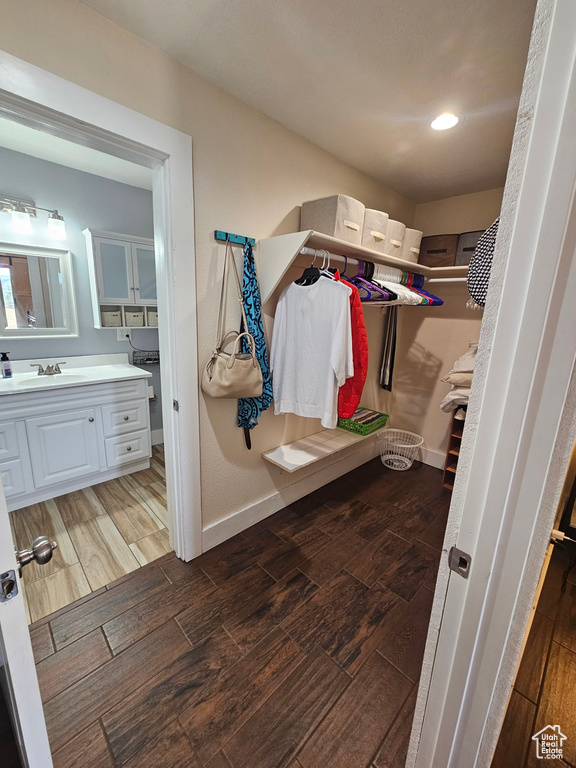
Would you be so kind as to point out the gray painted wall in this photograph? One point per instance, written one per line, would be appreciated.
(84, 200)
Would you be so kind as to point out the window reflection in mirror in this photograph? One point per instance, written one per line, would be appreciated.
(36, 293)
(31, 291)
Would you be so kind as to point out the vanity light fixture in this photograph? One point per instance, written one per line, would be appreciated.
(23, 211)
(56, 226)
(444, 121)
(21, 220)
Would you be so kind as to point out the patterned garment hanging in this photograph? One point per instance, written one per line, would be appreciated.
(250, 408)
(481, 264)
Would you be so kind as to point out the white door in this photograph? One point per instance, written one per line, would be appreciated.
(63, 446)
(144, 269)
(20, 683)
(114, 271)
(520, 426)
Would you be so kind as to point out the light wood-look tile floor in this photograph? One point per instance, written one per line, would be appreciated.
(103, 533)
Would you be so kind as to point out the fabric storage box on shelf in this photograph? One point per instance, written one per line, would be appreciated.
(339, 216)
(411, 245)
(374, 229)
(134, 319)
(364, 421)
(467, 243)
(438, 250)
(394, 238)
(398, 448)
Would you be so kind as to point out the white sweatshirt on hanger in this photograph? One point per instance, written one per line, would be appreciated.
(311, 353)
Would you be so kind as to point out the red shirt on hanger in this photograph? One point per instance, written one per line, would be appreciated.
(350, 392)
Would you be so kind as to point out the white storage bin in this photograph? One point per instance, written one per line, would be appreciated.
(374, 230)
(394, 238)
(111, 319)
(152, 318)
(411, 245)
(338, 216)
(133, 319)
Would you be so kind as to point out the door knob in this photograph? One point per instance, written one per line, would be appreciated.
(41, 551)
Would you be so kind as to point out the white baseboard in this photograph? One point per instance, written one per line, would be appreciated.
(432, 458)
(157, 436)
(222, 530)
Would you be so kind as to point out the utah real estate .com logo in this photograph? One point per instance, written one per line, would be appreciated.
(549, 743)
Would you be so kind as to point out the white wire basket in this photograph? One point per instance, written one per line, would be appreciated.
(398, 448)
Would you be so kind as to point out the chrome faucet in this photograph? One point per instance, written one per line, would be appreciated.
(50, 370)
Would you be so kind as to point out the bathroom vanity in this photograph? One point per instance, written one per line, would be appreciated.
(70, 430)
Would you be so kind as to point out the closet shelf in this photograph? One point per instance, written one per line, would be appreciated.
(275, 255)
(301, 453)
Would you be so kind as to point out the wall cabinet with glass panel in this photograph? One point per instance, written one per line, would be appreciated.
(122, 280)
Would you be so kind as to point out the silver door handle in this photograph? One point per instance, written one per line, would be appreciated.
(41, 551)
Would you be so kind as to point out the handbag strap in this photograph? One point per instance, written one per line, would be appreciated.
(232, 359)
(228, 259)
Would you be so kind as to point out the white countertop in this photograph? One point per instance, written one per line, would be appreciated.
(77, 372)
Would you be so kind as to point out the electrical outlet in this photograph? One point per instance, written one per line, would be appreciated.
(124, 334)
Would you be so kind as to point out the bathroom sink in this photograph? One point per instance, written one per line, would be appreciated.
(62, 379)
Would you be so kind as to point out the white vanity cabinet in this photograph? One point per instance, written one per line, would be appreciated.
(57, 441)
(122, 273)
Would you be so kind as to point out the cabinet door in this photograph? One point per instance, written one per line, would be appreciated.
(114, 271)
(63, 446)
(144, 274)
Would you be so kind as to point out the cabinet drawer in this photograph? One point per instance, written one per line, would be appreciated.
(9, 448)
(127, 448)
(127, 417)
(12, 477)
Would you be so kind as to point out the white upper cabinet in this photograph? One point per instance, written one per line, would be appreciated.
(144, 271)
(113, 260)
(122, 277)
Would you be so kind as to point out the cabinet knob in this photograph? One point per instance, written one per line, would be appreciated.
(129, 448)
(91, 418)
(126, 418)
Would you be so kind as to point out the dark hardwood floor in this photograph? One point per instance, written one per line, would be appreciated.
(296, 644)
(545, 687)
(8, 750)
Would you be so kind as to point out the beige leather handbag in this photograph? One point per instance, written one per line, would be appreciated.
(232, 374)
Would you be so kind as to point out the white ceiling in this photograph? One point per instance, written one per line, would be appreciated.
(362, 78)
(21, 138)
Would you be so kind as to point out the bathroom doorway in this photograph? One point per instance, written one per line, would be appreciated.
(108, 522)
(133, 516)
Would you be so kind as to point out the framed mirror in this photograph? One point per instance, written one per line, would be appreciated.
(36, 293)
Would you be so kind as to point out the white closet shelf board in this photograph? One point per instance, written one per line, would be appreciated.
(275, 255)
(301, 453)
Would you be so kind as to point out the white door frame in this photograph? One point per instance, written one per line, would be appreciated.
(38, 98)
(520, 426)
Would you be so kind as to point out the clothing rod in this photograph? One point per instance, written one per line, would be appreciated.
(318, 253)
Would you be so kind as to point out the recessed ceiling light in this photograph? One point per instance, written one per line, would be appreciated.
(444, 121)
